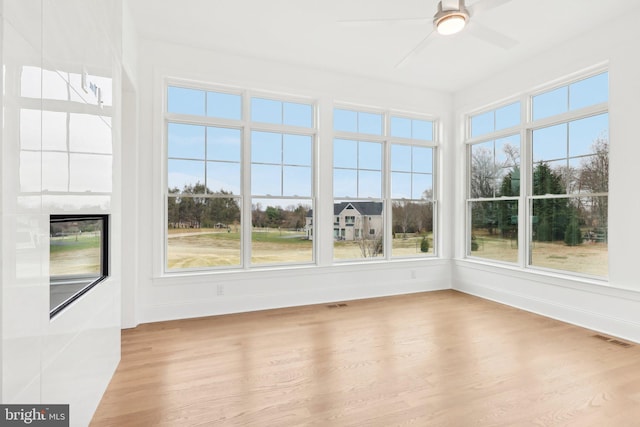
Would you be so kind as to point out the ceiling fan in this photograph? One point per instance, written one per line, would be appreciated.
(451, 17)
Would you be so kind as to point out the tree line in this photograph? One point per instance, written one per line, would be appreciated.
(189, 208)
(553, 219)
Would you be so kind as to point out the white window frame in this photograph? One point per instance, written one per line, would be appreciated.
(525, 129)
(387, 140)
(246, 125)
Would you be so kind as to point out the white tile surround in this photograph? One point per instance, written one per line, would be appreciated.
(59, 155)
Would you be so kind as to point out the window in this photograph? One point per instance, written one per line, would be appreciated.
(210, 203)
(492, 205)
(565, 185)
(367, 156)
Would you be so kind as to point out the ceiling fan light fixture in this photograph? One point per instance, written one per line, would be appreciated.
(451, 23)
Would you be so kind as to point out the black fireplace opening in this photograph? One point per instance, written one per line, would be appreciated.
(78, 257)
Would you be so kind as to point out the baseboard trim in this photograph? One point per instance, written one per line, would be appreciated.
(246, 303)
(615, 326)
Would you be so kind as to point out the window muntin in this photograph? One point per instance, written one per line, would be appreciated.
(206, 180)
(204, 155)
(574, 151)
(357, 169)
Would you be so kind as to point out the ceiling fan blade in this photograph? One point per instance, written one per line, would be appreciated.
(425, 41)
(388, 21)
(484, 5)
(491, 36)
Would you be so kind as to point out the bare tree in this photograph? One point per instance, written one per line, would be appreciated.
(484, 173)
(594, 171)
(402, 215)
(594, 178)
(370, 240)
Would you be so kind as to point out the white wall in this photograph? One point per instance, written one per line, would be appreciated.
(611, 307)
(167, 297)
(46, 44)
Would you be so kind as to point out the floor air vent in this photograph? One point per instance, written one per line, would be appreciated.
(612, 341)
(337, 305)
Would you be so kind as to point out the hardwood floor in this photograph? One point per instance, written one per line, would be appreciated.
(431, 359)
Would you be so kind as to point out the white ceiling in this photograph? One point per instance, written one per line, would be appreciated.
(309, 32)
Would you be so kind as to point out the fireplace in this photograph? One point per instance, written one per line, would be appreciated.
(78, 257)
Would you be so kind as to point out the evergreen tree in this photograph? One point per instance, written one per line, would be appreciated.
(550, 215)
(572, 235)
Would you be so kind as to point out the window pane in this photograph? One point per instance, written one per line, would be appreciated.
(345, 183)
(400, 158)
(369, 155)
(370, 123)
(422, 186)
(422, 159)
(591, 91)
(203, 232)
(400, 127)
(550, 103)
(484, 172)
(297, 150)
(266, 147)
(494, 230)
(185, 101)
(507, 151)
(422, 129)
(400, 185)
(224, 105)
(186, 141)
(361, 237)
(570, 234)
(548, 178)
(482, 124)
(266, 180)
(298, 114)
(223, 177)
(550, 143)
(223, 144)
(369, 184)
(412, 229)
(266, 111)
(593, 175)
(345, 153)
(345, 120)
(584, 133)
(296, 181)
(281, 231)
(508, 116)
(184, 175)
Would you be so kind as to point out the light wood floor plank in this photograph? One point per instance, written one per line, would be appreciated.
(431, 359)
